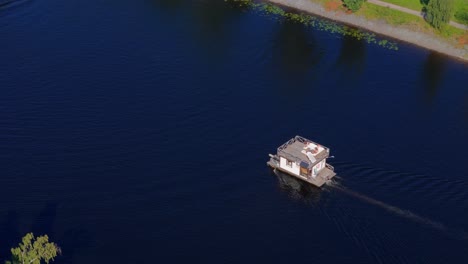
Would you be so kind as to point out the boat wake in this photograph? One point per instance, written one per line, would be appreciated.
(458, 234)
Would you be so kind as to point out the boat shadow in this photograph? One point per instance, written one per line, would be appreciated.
(297, 189)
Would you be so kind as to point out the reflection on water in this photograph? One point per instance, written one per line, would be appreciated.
(9, 3)
(432, 75)
(212, 21)
(169, 4)
(212, 16)
(9, 233)
(296, 51)
(209, 23)
(352, 58)
(297, 189)
(466, 108)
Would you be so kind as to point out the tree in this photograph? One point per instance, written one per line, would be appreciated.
(439, 12)
(353, 5)
(34, 250)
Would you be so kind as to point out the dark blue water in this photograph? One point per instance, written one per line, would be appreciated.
(138, 131)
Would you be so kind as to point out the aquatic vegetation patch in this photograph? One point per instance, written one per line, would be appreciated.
(277, 12)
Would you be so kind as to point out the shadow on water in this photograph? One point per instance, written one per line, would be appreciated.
(9, 234)
(352, 57)
(8, 3)
(212, 19)
(169, 5)
(296, 51)
(432, 75)
(44, 223)
(72, 241)
(457, 234)
(297, 189)
(466, 108)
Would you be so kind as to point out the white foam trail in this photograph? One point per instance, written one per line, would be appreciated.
(459, 234)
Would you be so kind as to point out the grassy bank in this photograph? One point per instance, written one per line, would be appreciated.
(385, 22)
(391, 16)
(457, 37)
(394, 17)
(460, 14)
(411, 4)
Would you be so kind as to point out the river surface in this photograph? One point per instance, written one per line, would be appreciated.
(138, 132)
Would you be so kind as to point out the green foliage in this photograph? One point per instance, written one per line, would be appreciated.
(353, 5)
(272, 9)
(439, 12)
(317, 23)
(462, 17)
(461, 11)
(34, 250)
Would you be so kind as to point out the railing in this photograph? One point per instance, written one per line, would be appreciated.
(285, 145)
(305, 140)
(302, 139)
(330, 167)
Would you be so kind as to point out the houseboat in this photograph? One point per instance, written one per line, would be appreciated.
(304, 159)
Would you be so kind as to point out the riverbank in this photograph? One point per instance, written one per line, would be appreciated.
(422, 39)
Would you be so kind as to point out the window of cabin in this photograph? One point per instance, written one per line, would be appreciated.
(289, 163)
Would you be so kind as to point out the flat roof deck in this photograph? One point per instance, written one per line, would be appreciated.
(293, 150)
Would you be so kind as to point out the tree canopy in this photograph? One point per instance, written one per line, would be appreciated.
(34, 250)
(439, 12)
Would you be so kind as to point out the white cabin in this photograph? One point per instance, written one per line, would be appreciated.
(303, 159)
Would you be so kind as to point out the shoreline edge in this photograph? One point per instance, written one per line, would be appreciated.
(379, 27)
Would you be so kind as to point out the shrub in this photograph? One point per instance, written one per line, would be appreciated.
(353, 5)
(462, 15)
